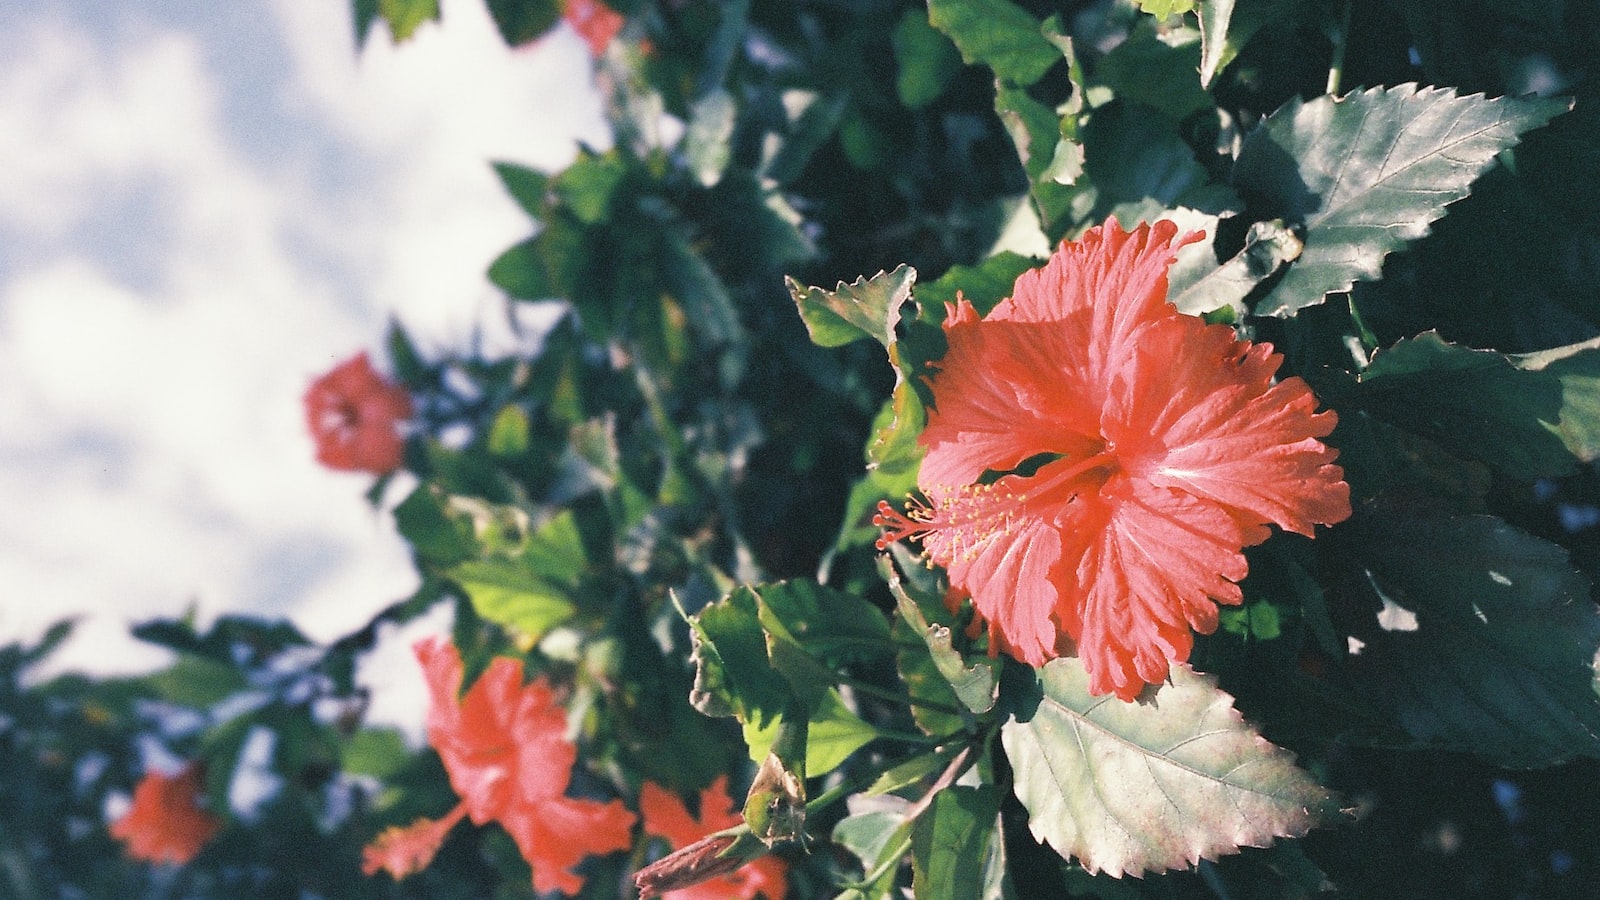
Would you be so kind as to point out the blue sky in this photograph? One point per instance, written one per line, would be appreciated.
(204, 207)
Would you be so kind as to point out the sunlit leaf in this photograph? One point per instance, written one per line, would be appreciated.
(998, 34)
(868, 307)
(405, 16)
(1363, 174)
(1160, 783)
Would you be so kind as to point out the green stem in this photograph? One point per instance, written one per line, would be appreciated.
(1340, 39)
(881, 693)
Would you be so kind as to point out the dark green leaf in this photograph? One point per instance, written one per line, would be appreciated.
(1156, 784)
(523, 21)
(586, 187)
(520, 272)
(733, 676)
(950, 842)
(879, 837)
(1475, 636)
(1227, 25)
(526, 186)
(1531, 416)
(998, 34)
(1157, 69)
(870, 307)
(1141, 167)
(925, 59)
(1365, 173)
(435, 535)
(811, 130)
(363, 14)
(198, 681)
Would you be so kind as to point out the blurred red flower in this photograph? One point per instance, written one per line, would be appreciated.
(166, 823)
(665, 815)
(1096, 461)
(505, 749)
(354, 416)
(594, 21)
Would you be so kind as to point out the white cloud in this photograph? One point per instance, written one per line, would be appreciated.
(153, 452)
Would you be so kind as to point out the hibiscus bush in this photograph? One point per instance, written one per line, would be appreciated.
(980, 448)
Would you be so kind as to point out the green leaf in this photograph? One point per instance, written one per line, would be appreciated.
(405, 16)
(1198, 285)
(363, 14)
(1531, 416)
(1156, 784)
(984, 285)
(587, 186)
(879, 836)
(812, 128)
(1036, 130)
(1363, 174)
(505, 592)
(924, 58)
(950, 842)
(520, 272)
(526, 582)
(508, 433)
(833, 733)
(870, 307)
(198, 681)
(975, 685)
(526, 186)
(524, 21)
(434, 535)
(1475, 636)
(1162, 9)
(1156, 68)
(1227, 25)
(1140, 167)
(733, 676)
(998, 34)
(379, 752)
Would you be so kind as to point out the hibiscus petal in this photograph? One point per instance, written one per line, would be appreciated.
(556, 835)
(1152, 571)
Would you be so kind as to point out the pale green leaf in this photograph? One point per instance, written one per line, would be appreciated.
(1156, 784)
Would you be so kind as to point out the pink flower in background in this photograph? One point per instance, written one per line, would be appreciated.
(594, 21)
(1096, 462)
(355, 415)
(505, 748)
(166, 822)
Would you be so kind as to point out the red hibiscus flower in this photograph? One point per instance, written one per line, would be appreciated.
(354, 416)
(594, 21)
(1096, 462)
(666, 816)
(166, 823)
(505, 749)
